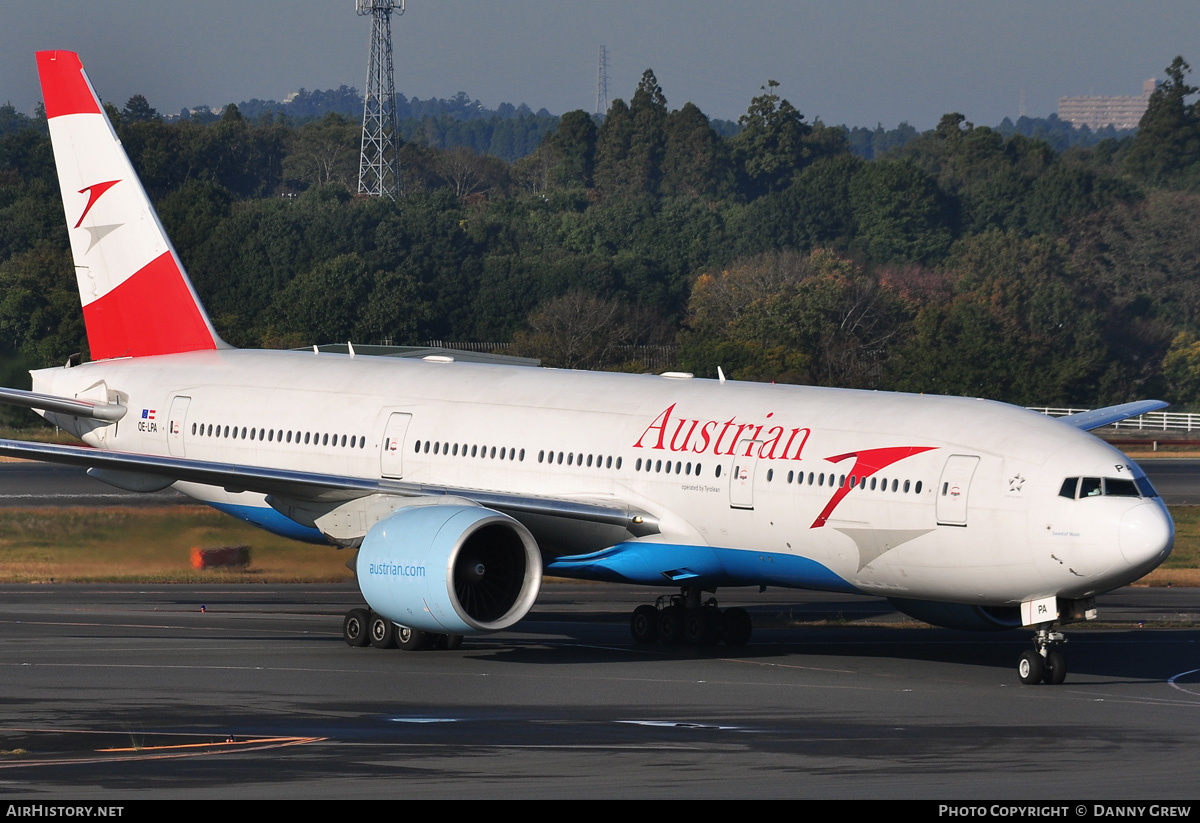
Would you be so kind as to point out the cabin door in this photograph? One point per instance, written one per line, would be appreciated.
(391, 455)
(953, 489)
(741, 474)
(175, 424)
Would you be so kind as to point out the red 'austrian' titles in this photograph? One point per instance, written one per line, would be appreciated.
(722, 437)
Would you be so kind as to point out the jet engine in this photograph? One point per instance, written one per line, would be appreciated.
(453, 569)
(960, 615)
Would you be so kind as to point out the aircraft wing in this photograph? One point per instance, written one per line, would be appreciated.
(146, 472)
(1096, 418)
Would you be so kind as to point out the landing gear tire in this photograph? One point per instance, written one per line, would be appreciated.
(643, 625)
(452, 642)
(689, 618)
(1031, 668)
(354, 628)
(411, 640)
(1055, 668)
(699, 626)
(1045, 663)
(383, 632)
(670, 624)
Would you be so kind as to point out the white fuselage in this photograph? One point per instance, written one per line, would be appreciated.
(959, 499)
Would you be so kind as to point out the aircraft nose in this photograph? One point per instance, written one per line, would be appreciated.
(1147, 534)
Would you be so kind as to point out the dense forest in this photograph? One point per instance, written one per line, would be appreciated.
(1036, 268)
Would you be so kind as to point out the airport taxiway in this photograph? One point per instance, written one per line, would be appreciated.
(120, 691)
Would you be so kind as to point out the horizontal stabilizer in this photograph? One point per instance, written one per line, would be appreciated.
(110, 412)
(1108, 415)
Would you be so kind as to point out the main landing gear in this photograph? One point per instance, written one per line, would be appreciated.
(686, 618)
(1045, 663)
(362, 627)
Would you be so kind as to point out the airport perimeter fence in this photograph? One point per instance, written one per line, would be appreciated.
(1149, 422)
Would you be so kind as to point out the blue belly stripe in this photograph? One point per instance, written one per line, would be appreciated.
(267, 518)
(670, 564)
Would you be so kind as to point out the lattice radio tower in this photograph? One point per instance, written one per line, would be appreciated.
(602, 83)
(378, 169)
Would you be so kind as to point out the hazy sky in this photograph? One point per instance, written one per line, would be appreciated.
(856, 62)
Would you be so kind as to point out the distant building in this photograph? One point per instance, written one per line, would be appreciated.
(1120, 112)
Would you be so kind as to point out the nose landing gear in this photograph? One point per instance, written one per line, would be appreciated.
(1045, 663)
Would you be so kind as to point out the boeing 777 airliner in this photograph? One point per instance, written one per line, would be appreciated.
(461, 484)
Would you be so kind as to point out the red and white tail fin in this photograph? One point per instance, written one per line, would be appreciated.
(137, 299)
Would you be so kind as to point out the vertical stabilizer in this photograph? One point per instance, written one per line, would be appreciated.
(137, 299)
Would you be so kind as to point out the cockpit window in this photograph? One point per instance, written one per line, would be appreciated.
(1068, 488)
(1143, 484)
(1073, 487)
(1115, 487)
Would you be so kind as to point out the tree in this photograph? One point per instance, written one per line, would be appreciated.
(154, 149)
(468, 173)
(193, 213)
(12, 121)
(1068, 190)
(1016, 328)
(245, 159)
(323, 303)
(535, 173)
(138, 110)
(648, 108)
(1168, 137)
(786, 317)
(574, 144)
(394, 311)
(575, 331)
(771, 146)
(613, 142)
(1181, 368)
(815, 211)
(323, 151)
(696, 160)
(39, 306)
(631, 141)
(899, 212)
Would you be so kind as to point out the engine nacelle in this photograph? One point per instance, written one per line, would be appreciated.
(452, 569)
(960, 615)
